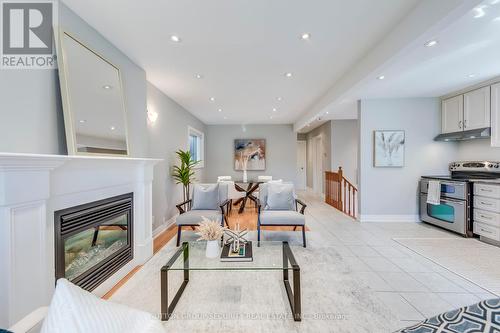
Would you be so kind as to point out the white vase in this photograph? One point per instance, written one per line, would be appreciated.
(213, 249)
(244, 176)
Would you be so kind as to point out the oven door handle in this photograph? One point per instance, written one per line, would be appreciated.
(457, 202)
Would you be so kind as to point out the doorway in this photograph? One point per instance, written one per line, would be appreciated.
(301, 165)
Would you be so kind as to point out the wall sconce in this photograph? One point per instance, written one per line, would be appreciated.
(152, 116)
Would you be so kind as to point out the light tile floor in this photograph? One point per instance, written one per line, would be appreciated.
(412, 285)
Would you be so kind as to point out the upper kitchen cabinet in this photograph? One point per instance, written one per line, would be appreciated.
(476, 106)
(452, 114)
(495, 115)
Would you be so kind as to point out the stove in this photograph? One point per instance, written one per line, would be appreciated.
(454, 212)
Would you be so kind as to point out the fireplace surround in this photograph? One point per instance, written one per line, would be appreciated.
(32, 188)
(93, 240)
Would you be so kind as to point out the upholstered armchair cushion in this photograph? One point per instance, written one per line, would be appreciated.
(280, 197)
(193, 217)
(282, 217)
(205, 196)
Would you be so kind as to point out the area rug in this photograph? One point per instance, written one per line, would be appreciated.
(229, 301)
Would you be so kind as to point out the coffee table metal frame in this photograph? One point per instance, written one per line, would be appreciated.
(293, 293)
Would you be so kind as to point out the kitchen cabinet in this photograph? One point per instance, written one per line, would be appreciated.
(476, 109)
(452, 113)
(495, 115)
(486, 217)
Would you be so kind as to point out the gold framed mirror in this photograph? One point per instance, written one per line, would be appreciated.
(93, 100)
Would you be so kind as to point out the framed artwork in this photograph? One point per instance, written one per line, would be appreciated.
(249, 154)
(389, 149)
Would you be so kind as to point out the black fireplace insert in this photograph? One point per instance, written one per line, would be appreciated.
(94, 240)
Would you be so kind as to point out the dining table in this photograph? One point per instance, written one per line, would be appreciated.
(248, 187)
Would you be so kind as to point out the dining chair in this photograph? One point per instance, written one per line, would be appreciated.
(209, 201)
(232, 192)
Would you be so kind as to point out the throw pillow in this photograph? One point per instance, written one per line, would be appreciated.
(74, 310)
(280, 197)
(205, 196)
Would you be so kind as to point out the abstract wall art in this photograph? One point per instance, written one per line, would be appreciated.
(249, 154)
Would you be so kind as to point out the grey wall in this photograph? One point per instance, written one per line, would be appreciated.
(391, 193)
(30, 105)
(167, 135)
(281, 150)
(344, 150)
(325, 132)
(31, 117)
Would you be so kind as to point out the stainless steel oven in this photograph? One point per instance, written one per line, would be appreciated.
(453, 212)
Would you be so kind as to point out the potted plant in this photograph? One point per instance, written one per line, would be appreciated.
(212, 232)
(184, 173)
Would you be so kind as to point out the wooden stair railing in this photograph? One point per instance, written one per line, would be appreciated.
(340, 193)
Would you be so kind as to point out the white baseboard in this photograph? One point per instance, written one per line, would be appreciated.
(389, 218)
(164, 226)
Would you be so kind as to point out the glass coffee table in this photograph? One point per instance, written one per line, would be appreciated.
(269, 256)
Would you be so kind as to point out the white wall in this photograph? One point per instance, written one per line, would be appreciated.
(390, 194)
(477, 150)
(281, 150)
(345, 148)
(167, 135)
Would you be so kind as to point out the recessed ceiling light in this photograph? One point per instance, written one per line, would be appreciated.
(175, 38)
(326, 112)
(199, 76)
(212, 99)
(271, 117)
(82, 121)
(279, 99)
(496, 19)
(431, 43)
(305, 36)
(381, 77)
(471, 75)
(274, 109)
(288, 74)
(479, 11)
(225, 117)
(112, 128)
(106, 86)
(220, 110)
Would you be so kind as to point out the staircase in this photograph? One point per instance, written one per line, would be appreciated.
(340, 193)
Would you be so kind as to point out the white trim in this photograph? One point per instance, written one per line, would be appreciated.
(164, 226)
(192, 130)
(389, 218)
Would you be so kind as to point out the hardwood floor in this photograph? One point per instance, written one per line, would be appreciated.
(247, 219)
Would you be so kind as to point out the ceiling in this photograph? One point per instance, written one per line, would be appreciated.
(466, 53)
(242, 49)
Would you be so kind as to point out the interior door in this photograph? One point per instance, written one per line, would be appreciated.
(477, 109)
(452, 112)
(318, 164)
(301, 164)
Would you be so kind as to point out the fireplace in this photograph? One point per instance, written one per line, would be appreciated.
(94, 240)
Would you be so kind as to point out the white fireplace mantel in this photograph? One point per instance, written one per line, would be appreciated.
(32, 188)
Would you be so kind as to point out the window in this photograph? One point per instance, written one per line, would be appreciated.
(196, 144)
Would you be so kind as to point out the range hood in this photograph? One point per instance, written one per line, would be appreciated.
(479, 133)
